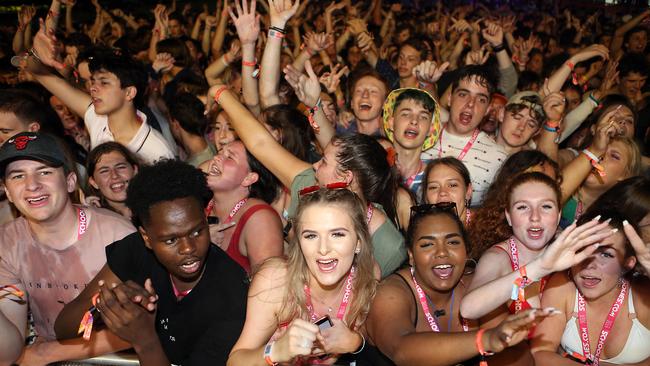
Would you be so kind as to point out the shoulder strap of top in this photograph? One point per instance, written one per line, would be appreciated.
(630, 303)
(234, 240)
(415, 323)
(512, 265)
(575, 305)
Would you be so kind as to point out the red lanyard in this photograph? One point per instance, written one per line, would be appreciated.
(579, 209)
(433, 323)
(468, 217)
(179, 294)
(411, 179)
(83, 223)
(514, 257)
(344, 301)
(607, 326)
(467, 147)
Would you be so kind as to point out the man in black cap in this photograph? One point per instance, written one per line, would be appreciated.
(53, 250)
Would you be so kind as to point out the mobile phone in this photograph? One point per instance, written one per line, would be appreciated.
(324, 322)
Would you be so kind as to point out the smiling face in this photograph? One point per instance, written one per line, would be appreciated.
(229, 168)
(518, 127)
(600, 273)
(637, 42)
(107, 94)
(631, 84)
(367, 98)
(533, 214)
(468, 105)
(328, 241)
(438, 253)
(223, 133)
(445, 184)
(178, 235)
(39, 191)
(112, 175)
(410, 123)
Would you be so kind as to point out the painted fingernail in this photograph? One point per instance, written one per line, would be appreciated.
(597, 218)
(614, 230)
(608, 220)
(625, 223)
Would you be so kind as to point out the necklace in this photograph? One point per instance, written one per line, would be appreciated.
(329, 306)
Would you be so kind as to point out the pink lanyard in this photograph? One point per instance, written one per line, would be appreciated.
(369, 212)
(514, 255)
(468, 217)
(467, 147)
(344, 301)
(179, 294)
(83, 223)
(410, 179)
(607, 326)
(235, 209)
(433, 323)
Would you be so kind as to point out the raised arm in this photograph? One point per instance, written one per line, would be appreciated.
(554, 104)
(617, 41)
(280, 11)
(23, 31)
(558, 78)
(45, 56)
(258, 141)
(247, 23)
(490, 289)
(69, 5)
(220, 34)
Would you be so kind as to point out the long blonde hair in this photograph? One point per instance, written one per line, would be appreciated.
(294, 304)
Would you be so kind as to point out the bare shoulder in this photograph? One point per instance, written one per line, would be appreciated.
(493, 264)
(269, 283)
(641, 293)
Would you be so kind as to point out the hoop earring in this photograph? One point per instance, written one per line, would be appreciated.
(469, 269)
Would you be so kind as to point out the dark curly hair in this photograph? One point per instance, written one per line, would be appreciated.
(167, 180)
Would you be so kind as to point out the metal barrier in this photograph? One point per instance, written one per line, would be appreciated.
(116, 359)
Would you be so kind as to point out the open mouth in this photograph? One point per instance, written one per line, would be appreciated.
(535, 232)
(411, 133)
(327, 265)
(37, 201)
(365, 107)
(191, 266)
(443, 271)
(589, 281)
(118, 187)
(465, 118)
(214, 171)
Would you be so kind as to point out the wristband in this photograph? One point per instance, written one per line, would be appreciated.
(519, 285)
(479, 347)
(363, 345)
(593, 99)
(595, 162)
(275, 34)
(278, 29)
(550, 129)
(552, 123)
(267, 354)
(33, 53)
(249, 63)
(498, 48)
(312, 112)
(224, 59)
(86, 325)
(570, 64)
(217, 95)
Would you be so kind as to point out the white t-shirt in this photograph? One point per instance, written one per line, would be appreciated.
(483, 159)
(148, 144)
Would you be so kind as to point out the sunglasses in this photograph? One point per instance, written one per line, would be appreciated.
(426, 208)
(312, 189)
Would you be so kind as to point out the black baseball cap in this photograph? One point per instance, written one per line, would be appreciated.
(31, 146)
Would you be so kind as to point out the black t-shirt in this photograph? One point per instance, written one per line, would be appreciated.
(202, 328)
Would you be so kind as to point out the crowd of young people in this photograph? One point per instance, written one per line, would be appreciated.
(326, 183)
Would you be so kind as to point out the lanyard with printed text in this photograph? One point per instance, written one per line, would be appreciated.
(422, 297)
(344, 302)
(607, 326)
(467, 147)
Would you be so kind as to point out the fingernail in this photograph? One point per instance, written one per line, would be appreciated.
(597, 218)
(625, 223)
(101, 283)
(597, 245)
(614, 230)
(113, 285)
(608, 220)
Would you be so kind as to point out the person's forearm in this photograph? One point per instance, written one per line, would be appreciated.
(150, 352)
(52, 18)
(270, 73)
(327, 131)
(558, 78)
(450, 348)
(249, 83)
(301, 58)
(573, 174)
(18, 45)
(574, 119)
(28, 37)
(546, 143)
(197, 28)
(69, 27)
(217, 42)
(206, 40)
(215, 69)
(247, 357)
(102, 342)
(12, 342)
(507, 74)
(295, 35)
(550, 358)
(475, 42)
(483, 299)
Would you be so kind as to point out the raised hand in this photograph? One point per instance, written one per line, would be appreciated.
(429, 71)
(605, 130)
(573, 245)
(611, 77)
(234, 52)
(478, 57)
(554, 105)
(641, 249)
(365, 42)
(595, 50)
(281, 11)
(508, 23)
(246, 21)
(357, 26)
(47, 48)
(493, 33)
(331, 80)
(317, 41)
(163, 63)
(307, 87)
